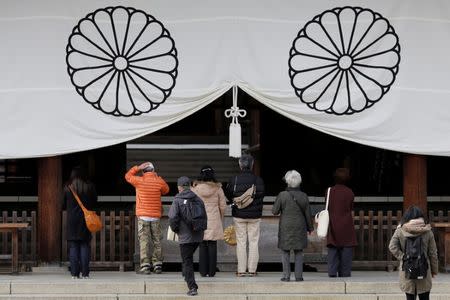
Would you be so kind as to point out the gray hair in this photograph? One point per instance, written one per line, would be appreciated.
(293, 179)
(246, 162)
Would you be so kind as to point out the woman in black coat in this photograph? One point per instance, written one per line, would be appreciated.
(78, 235)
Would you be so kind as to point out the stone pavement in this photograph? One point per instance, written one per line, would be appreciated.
(128, 285)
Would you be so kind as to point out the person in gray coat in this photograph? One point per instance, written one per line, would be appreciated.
(187, 237)
(295, 221)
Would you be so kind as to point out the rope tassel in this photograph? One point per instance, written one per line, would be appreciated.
(235, 142)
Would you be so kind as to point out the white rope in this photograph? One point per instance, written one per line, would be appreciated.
(234, 112)
(235, 143)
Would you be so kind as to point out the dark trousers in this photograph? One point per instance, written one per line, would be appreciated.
(208, 258)
(286, 262)
(424, 296)
(187, 261)
(340, 261)
(79, 256)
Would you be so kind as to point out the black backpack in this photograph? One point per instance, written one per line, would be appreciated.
(415, 262)
(194, 214)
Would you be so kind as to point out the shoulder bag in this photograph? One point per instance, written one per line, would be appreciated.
(246, 198)
(171, 235)
(323, 219)
(295, 200)
(93, 221)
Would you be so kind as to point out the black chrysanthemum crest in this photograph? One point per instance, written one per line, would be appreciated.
(122, 61)
(344, 60)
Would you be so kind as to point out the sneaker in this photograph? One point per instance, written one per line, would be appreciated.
(74, 277)
(144, 270)
(85, 277)
(299, 279)
(251, 274)
(157, 269)
(285, 279)
(192, 292)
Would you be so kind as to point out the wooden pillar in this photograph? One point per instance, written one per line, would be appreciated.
(415, 181)
(49, 209)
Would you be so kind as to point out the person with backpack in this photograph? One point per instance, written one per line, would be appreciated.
(246, 217)
(187, 218)
(414, 246)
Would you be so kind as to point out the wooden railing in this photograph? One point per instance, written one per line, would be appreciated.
(374, 231)
(27, 237)
(114, 245)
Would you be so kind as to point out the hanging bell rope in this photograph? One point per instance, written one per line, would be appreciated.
(235, 143)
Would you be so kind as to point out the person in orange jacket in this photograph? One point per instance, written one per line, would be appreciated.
(149, 188)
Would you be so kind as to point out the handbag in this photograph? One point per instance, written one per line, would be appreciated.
(171, 235)
(229, 235)
(93, 221)
(246, 198)
(323, 219)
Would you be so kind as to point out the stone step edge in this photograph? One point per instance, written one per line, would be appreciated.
(87, 288)
(217, 296)
(201, 296)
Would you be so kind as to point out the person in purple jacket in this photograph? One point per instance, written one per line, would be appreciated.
(341, 236)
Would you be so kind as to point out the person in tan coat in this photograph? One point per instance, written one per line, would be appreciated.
(411, 225)
(210, 191)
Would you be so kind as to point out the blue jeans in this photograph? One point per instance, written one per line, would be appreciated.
(79, 256)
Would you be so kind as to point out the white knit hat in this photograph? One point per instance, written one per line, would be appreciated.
(149, 168)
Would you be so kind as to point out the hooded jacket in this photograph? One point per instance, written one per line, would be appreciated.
(214, 199)
(415, 227)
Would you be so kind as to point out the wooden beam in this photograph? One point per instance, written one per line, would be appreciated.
(415, 181)
(49, 209)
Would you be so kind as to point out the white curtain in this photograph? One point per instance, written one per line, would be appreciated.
(79, 75)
